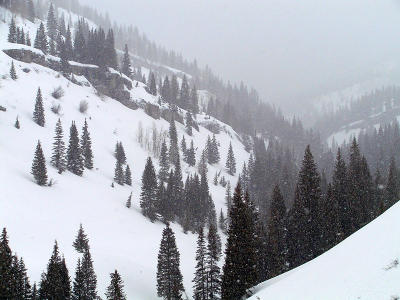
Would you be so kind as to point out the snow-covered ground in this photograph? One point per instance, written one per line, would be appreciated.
(120, 238)
(364, 266)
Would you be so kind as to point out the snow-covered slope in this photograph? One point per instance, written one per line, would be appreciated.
(120, 238)
(364, 266)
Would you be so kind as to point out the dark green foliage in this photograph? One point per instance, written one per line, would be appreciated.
(212, 150)
(189, 123)
(115, 290)
(38, 113)
(12, 32)
(74, 152)
(169, 277)
(200, 276)
(194, 101)
(391, 193)
(213, 254)
(126, 67)
(17, 124)
(39, 170)
(120, 153)
(85, 282)
(110, 53)
(184, 95)
(128, 176)
(276, 245)
(174, 90)
(13, 73)
(55, 283)
(231, 161)
(6, 272)
(164, 163)
(41, 39)
(86, 146)
(58, 159)
(183, 145)
(129, 201)
(173, 143)
(148, 195)
(152, 84)
(81, 243)
(52, 23)
(166, 90)
(190, 155)
(119, 173)
(239, 270)
(329, 220)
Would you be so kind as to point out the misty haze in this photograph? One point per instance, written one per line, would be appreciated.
(199, 150)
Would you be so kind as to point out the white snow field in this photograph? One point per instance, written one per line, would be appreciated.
(364, 266)
(120, 238)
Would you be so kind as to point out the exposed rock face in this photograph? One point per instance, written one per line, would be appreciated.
(108, 83)
(152, 110)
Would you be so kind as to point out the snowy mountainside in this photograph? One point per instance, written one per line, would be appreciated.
(364, 266)
(120, 238)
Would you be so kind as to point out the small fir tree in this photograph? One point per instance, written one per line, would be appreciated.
(39, 170)
(13, 73)
(86, 146)
(149, 191)
(129, 201)
(58, 158)
(128, 175)
(81, 243)
(230, 161)
(115, 290)
(119, 173)
(17, 124)
(74, 152)
(164, 163)
(200, 275)
(38, 113)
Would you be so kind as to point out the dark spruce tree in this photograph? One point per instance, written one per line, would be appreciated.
(120, 153)
(330, 222)
(85, 282)
(115, 290)
(184, 95)
(17, 124)
(213, 254)
(119, 173)
(78, 287)
(173, 143)
(190, 156)
(230, 161)
(240, 268)
(126, 67)
(86, 146)
(148, 195)
(12, 32)
(391, 192)
(55, 283)
(189, 123)
(13, 73)
(52, 23)
(129, 201)
(39, 170)
(128, 176)
(200, 276)
(166, 90)
(58, 159)
(276, 232)
(164, 163)
(74, 152)
(38, 112)
(169, 277)
(6, 271)
(304, 229)
(194, 101)
(183, 145)
(152, 84)
(41, 39)
(81, 243)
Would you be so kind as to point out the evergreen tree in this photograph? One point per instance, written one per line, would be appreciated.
(304, 229)
(190, 156)
(80, 49)
(276, 235)
(174, 89)
(85, 282)
(35, 293)
(6, 272)
(126, 67)
(120, 153)
(164, 163)
(173, 143)
(13, 73)
(86, 146)
(38, 113)
(55, 283)
(129, 201)
(12, 32)
(215, 157)
(39, 170)
(166, 90)
(52, 23)
(200, 276)
(115, 290)
(152, 84)
(239, 267)
(184, 95)
(24, 287)
(81, 243)
(330, 223)
(111, 54)
(183, 145)
(222, 222)
(391, 193)
(68, 47)
(119, 173)
(41, 39)
(17, 124)
(149, 191)
(189, 123)
(58, 158)
(169, 277)
(213, 254)
(75, 162)
(128, 175)
(194, 99)
(202, 166)
(230, 161)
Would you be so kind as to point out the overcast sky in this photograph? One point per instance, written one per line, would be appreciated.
(286, 49)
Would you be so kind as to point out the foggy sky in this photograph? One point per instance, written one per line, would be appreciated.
(286, 49)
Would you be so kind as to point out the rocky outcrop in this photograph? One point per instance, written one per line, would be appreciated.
(109, 83)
